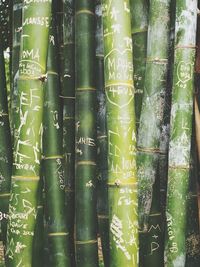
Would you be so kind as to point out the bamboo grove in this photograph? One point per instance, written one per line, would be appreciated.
(99, 133)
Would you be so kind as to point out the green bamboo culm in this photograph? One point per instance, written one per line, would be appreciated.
(121, 132)
(180, 132)
(58, 237)
(139, 15)
(5, 150)
(85, 168)
(27, 137)
(149, 134)
(102, 186)
(16, 35)
(67, 73)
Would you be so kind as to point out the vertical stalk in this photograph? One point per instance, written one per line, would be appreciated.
(28, 134)
(102, 201)
(58, 237)
(139, 12)
(5, 150)
(180, 132)
(16, 35)
(85, 183)
(121, 131)
(67, 73)
(149, 134)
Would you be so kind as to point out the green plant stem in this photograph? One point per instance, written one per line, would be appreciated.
(28, 134)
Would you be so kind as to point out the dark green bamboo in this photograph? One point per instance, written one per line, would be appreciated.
(121, 131)
(16, 35)
(66, 45)
(5, 150)
(85, 183)
(192, 232)
(38, 242)
(139, 13)
(102, 187)
(180, 132)
(58, 237)
(28, 134)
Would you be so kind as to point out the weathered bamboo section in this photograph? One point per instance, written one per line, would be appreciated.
(86, 148)
(139, 15)
(102, 166)
(180, 132)
(28, 133)
(121, 132)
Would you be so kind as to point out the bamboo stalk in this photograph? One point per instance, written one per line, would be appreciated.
(58, 237)
(16, 35)
(139, 12)
(180, 132)
(5, 149)
(67, 73)
(27, 138)
(85, 182)
(102, 187)
(121, 131)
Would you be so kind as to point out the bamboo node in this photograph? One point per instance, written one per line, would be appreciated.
(86, 242)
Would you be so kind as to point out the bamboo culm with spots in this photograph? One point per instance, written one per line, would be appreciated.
(58, 237)
(149, 134)
(85, 118)
(67, 76)
(180, 132)
(28, 134)
(102, 186)
(121, 132)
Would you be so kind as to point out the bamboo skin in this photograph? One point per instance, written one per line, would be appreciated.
(180, 132)
(121, 132)
(28, 133)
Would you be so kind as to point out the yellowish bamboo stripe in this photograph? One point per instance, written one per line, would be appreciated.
(121, 183)
(4, 195)
(52, 72)
(151, 150)
(26, 178)
(84, 11)
(119, 83)
(157, 60)
(3, 114)
(155, 214)
(180, 167)
(86, 88)
(140, 31)
(53, 157)
(40, 207)
(86, 162)
(58, 234)
(100, 55)
(185, 46)
(86, 242)
(67, 97)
